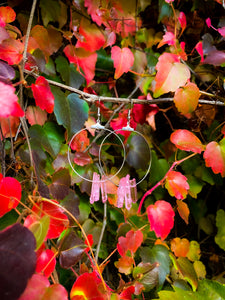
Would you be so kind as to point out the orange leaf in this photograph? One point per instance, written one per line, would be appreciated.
(183, 210)
(180, 247)
(186, 98)
(90, 37)
(7, 15)
(9, 126)
(176, 184)
(171, 74)
(186, 140)
(125, 264)
(131, 242)
(214, 156)
(11, 51)
(35, 115)
(84, 60)
(123, 60)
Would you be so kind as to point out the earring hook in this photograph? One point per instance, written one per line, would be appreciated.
(128, 127)
(98, 124)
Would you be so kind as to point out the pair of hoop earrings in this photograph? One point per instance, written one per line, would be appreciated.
(127, 188)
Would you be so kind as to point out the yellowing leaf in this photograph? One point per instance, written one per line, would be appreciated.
(220, 236)
(186, 140)
(177, 185)
(199, 269)
(183, 210)
(186, 98)
(194, 252)
(171, 74)
(180, 247)
(214, 156)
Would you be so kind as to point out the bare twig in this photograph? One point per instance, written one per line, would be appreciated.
(90, 98)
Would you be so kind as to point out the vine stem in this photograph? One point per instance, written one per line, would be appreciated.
(162, 180)
(95, 98)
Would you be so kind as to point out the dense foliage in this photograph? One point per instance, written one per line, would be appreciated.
(112, 149)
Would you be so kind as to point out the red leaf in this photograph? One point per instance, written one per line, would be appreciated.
(176, 184)
(127, 293)
(186, 98)
(7, 15)
(88, 286)
(131, 242)
(11, 51)
(10, 194)
(35, 115)
(58, 220)
(46, 262)
(186, 140)
(90, 241)
(83, 59)
(80, 141)
(182, 20)
(39, 288)
(82, 159)
(214, 156)
(161, 218)
(171, 74)
(208, 22)
(9, 126)
(43, 95)
(93, 9)
(90, 36)
(8, 102)
(123, 60)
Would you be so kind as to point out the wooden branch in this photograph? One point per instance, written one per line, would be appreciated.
(90, 98)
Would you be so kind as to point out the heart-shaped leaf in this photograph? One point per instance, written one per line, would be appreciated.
(186, 140)
(123, 60)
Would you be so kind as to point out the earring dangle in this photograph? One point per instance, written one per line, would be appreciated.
(127, 190)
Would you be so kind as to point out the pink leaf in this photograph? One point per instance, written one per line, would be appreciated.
(43, 95)
(123, 60)
(161, 218)
(83, 59)
(222, 31)
(208, 22)
(182, 20)
(177, 185)
(131, 242)
(168, 38)
(214, 156)
(186, 140)
(186, 98)
(8, 102)
(171, 74)
(94, 11)
(199, 48)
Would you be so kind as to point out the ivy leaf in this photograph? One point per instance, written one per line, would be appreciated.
(46, 261)
(162, 211)
(180, 247)
(10, 194)
(220, 236)
(131, 242)
(186, 98)
(214, 156)
(183, 210)
(17, 260)
(125, 264)
(35, 115)
(186, 269)
(7, 15)
(90, 36)
(123, 60)
(11, 51)
(43, 95)
(171, 74)
(176, 184)
(8, 102)
(186, 140)
(40, 229)
(39, 286)
(6, 72)
(84, 60)
(61, 181)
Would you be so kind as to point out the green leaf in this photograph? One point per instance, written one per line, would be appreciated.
(207, 290)
(158, 254)
(40, 230)
(146, 274)
(186, 269)
(195, 185)
(53, 10)
(220, 223)
(71, 111)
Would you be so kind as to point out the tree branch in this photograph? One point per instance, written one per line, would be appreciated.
(92, 98)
